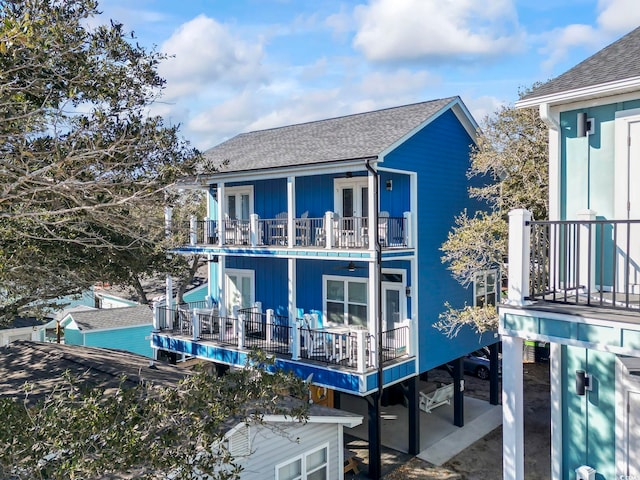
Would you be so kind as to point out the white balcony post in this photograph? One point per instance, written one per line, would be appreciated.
(234, 315)
(361, 338)
(587, 253)
(407, 229)
(295, 339)
(291, 210)
(328, 229)
(222, 325)
(512, 409)
(519, 256)
(195, 324)
(241, 319)
(156, 318)
(253, 229)
(407, 323)
(269, 326)
(221, 215)
(193, 230)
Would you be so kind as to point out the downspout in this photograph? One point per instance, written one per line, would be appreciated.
(378, 266)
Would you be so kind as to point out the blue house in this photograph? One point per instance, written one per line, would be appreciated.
(127, 328)
(574, 279)
(323, 244)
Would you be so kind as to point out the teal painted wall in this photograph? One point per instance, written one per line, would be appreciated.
(135, 339)
(197, 294)
(72, 336)
(587, 163)
(589, 420)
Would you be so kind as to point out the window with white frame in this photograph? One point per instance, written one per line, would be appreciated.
(345, 300)
(313, 465)
(485, 288)
(239, 202)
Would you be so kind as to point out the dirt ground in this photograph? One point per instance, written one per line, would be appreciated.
(483, 459)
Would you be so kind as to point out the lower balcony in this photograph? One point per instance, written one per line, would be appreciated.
(348, 348)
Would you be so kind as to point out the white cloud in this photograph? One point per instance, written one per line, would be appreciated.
(618, 16)
(483, 106)
(445, 30)
(206, 54)
(397, 83)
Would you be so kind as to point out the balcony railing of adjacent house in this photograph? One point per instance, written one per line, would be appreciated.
(330, 231)
(583, 262)
(348, 347)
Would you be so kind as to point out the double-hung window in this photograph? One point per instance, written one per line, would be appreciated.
(484, 288)
(312, 465)
(345, 300)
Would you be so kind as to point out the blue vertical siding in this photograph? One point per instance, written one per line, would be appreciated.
(588, 421)
(439, 153)
(270, 197)
(314, 195)
(397, 200)
(271, 280)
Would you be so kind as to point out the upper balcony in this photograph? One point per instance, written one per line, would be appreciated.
(572, 265)
(328, 232)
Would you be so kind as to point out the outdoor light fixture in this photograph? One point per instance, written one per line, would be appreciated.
(585, 126)
(214, 259)
(407, 291)
(583, 382)
(389, 184)
(351, 267)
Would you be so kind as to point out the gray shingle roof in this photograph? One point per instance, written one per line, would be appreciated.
(358, 136)
(113, 318)
(618, 61)
(43, 366)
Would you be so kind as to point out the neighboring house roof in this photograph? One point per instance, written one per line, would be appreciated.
(619, 62)
(352, 137)
(43, 366)
(108, 318)
(23, 322)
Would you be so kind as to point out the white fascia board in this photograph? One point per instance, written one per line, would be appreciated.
(339, 166)
(591, 92)
(350, 421)
(565, 317)
(459, 110)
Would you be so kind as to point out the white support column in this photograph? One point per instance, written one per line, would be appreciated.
(168, 212)
(295, 339)
(269, 326)
(407, 323)
(156, 318)
(519, 248)
(254, 230)
(241, 319)
(222, 294)
(373, 228)
(408, 230)
(195, 325)
(512, 409)
(292, 299)
(221, 215)
(555, 374)
(328, 229)
(372, 321)
(361, 338)
(193, 230)
(587, 251)
(291, 210)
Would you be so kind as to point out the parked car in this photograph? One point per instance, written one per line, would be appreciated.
(477, 363)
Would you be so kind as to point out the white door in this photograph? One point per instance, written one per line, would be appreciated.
(239, 203)
(628, 201)
(392, 311)
(633, 435)
(240, 288)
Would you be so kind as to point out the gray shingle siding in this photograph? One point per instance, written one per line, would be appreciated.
(359, 136)
(618, 61)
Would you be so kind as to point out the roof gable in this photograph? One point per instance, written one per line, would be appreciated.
(359, 136)
(614, 63)
(109, 318)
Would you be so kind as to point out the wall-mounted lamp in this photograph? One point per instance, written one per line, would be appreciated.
(389, 185)
(585, 126)
(351, 267)
(349, 175)
(214, 259)
(407, 291)
(583, 382)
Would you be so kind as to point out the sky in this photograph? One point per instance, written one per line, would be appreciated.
(242, 65)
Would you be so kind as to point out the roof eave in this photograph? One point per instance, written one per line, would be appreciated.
(587, 93)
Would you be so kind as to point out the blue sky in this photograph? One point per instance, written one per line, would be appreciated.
(243, 65)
